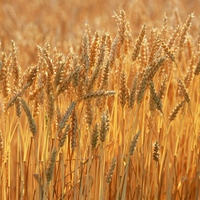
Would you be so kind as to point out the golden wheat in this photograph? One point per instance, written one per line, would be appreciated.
(71, 78)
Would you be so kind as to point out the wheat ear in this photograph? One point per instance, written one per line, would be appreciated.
(104, 126)
(63, 137)
(197, 69)
(134, 143)
(182, 90)
(138, 43)
(156, 153)
(1, 141)
(31, 121)
(154, 99)
(50, 168)
(66, 116)
(123, 93)
(176, 110)
(111, 170)
(95, 136)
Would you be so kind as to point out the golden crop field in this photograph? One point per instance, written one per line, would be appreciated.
(99, 100)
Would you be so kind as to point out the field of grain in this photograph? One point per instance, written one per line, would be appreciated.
(99, 99)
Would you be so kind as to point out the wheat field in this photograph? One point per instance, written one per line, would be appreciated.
(99, 100)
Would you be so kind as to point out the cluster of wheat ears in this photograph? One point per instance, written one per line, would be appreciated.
(117, 119)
